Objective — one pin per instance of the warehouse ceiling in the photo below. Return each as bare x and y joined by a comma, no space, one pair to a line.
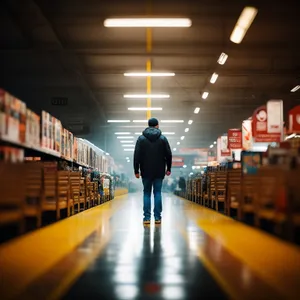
61,50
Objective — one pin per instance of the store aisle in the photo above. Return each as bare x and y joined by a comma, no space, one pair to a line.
152,262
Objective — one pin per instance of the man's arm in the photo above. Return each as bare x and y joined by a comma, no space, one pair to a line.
168,155
136,159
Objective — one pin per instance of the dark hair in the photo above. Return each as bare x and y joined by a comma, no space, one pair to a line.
152,122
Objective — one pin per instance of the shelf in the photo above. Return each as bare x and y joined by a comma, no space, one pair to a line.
41,150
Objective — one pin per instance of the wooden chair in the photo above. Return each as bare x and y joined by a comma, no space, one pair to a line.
82,196
212,189
221,187
12,196
34,191
63,194
75,189
87,193
250,186
234,190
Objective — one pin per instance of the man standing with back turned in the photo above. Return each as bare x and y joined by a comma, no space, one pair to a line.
153,157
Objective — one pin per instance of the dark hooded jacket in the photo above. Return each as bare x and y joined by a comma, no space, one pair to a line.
152,155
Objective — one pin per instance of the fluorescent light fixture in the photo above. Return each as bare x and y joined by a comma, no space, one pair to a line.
131,150
127,158
169,133
197,109
118,121
182,138
147,22
222,59
172,121
122,133
186,130
127,145
205,95
296,88
178,143
145,96
107,153
184,166
140,121
144,108
127,142
211,146
124,137
148,74
243,24
215,142
214,78
138,133
190,122
174,149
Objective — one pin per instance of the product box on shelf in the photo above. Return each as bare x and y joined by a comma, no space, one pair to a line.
44,124
50,132
11,154
36,132
2,112
70,152
62,149
22,122
75,148
58,135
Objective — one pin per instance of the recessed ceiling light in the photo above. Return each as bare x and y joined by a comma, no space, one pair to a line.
186,130
122,133
140,121
205,95
184,166
190,122
215,143
214,78
127,157
178,143
211,146
296,88
197,109
172,121
243,24
107,153
222,59
145,96
182,138
147,22
148,74
124,137
118,121
144,108
174,149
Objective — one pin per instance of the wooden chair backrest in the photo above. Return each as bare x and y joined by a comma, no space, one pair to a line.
34,182
63,185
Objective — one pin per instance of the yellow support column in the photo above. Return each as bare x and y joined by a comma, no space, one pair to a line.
148,69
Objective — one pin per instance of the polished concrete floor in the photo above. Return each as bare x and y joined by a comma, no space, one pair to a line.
148,262
106,253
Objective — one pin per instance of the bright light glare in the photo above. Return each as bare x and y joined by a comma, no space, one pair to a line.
178,143
118,121
174,149
211,146
131,150
148,22
144,108
214,78
190,122
148,74
186,130
197,109
182,138
215,142
107,153
126,142
184,166
222,59
122,133
296,88
124,137
145,96
243,24
169,133
172,121
205,95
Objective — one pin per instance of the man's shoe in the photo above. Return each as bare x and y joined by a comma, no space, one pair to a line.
146,222
158,221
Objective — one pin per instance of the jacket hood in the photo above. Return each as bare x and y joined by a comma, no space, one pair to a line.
152,133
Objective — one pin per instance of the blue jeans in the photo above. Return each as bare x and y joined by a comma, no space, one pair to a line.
157,184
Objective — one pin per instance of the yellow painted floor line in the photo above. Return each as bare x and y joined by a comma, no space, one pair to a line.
29,257
275,261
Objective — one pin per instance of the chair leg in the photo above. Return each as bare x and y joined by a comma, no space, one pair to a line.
57,214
